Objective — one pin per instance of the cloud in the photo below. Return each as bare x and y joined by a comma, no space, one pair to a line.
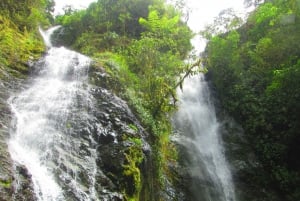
77,4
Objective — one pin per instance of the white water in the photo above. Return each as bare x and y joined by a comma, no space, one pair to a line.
41,138
200,134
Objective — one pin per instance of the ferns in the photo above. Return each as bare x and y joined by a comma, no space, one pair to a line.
17,47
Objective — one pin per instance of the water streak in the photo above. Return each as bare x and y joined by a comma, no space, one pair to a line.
42,138
197,122
47,35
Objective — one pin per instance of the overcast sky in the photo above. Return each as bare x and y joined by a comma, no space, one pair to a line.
202,12
78,4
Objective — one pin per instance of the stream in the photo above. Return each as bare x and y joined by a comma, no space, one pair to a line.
199,134
57,136
42,138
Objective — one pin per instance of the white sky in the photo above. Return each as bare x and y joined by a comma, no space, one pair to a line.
202,11
78,4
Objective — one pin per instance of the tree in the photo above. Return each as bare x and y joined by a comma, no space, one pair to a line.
255,70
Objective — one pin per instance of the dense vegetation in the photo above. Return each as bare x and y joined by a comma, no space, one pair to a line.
19,44
19,41
256,72
142,44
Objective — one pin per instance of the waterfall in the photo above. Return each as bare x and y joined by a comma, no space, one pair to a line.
200,136
43,137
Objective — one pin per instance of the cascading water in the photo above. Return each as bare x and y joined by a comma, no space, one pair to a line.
199,134
43,137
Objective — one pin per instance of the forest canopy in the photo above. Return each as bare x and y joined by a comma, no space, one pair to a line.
256,71
19,36
147,37
142,44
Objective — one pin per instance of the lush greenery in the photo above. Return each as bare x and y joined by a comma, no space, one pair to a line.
134,157
20,44
19,41
256,71
142,44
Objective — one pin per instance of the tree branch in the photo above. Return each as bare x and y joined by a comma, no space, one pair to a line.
189,71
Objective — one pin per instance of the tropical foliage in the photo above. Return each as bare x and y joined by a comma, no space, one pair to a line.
255,70
19,41
142,44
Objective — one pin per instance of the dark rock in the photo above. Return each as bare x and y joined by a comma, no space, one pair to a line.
111,160
24,190
111,130
99,131
106,138
9,176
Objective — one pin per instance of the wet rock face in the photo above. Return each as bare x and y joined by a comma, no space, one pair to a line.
6,173
24,190
101,139
100,134
246,169
114,129
15,182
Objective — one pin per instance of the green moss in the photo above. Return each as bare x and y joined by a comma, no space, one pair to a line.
6,183
134,157
68,125
133,127
17,47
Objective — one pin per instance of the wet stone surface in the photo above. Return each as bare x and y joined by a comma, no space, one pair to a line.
15,182
88,153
